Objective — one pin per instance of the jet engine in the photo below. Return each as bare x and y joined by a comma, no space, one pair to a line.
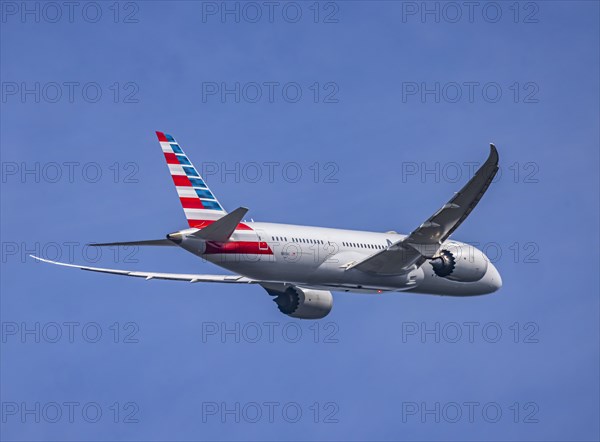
468,268
304,303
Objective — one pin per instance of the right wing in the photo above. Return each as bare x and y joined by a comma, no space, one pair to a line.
440,226
424,242
235,279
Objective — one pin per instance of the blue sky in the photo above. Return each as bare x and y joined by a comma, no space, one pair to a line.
364,130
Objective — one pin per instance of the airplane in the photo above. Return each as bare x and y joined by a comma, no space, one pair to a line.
299,266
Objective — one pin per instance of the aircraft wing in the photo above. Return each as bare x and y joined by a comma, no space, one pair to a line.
236,279
425,241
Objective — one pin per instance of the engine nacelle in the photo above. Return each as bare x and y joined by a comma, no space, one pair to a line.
465,264
304,303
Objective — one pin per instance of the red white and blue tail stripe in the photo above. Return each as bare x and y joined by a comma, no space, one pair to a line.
200,205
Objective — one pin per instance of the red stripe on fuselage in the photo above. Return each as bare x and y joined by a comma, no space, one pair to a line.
202,223
238,247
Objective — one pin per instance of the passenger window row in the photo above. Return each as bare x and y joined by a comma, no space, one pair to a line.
363,246
298,240
308,241
319,241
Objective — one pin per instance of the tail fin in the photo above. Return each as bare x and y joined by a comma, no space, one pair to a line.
199,203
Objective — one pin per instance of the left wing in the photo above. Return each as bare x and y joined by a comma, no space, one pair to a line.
236,279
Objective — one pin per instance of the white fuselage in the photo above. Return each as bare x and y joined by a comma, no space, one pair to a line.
317,257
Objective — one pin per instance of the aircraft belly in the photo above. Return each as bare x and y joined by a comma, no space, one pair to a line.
264,267
309,272
308,264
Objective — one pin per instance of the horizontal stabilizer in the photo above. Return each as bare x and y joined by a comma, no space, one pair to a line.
148,242
223,228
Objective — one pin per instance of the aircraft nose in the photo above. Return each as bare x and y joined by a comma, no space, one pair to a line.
492,278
